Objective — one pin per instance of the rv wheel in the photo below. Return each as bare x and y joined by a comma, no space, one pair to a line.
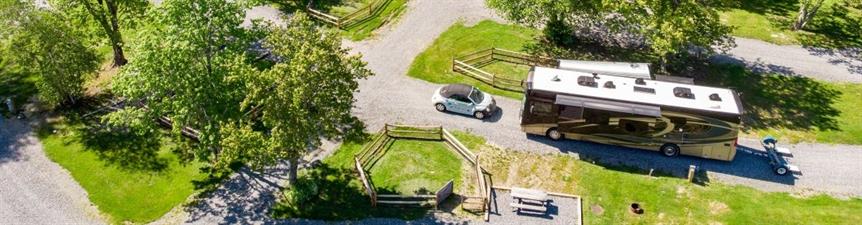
781,170
670,150
554,134
440,107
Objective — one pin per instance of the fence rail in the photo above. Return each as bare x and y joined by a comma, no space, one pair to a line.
374,150
470,64
351,19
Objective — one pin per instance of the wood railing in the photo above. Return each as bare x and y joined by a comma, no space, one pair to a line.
376,148
471,64
356,17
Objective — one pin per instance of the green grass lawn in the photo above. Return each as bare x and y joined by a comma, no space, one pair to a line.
770,20
793,109
364,28
435,63
607,192
135,184
849,121
409,167
416,167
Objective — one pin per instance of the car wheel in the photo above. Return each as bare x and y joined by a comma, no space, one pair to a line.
479,115
554,134
781,170
669,150
440,107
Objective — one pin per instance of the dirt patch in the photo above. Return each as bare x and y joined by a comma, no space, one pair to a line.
716,208
597,209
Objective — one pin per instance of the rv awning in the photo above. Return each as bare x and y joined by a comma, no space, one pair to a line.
645,110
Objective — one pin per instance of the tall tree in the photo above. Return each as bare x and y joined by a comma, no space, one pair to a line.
807,10
47,45
663,27
306,96
201,69
108,14
190,65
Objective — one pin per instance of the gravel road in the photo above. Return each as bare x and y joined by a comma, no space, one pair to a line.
822,64
34,189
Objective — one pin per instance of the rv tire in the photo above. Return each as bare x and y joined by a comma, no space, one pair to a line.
781,170
554,134
669,150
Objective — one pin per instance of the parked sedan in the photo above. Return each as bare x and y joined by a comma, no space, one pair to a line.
464,99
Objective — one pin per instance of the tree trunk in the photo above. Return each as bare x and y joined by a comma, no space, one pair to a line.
116,38
292,171
807,10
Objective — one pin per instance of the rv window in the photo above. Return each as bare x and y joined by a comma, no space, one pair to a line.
572,112
541,108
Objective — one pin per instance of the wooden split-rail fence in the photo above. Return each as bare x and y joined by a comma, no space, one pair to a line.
471,64
374,150
356,17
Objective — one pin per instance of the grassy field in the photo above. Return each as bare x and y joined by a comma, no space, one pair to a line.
794,109
770,20
129,180
366,27
607,192
415,167
409,167
435,63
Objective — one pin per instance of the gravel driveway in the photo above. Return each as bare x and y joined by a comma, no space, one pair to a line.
34,189
822,64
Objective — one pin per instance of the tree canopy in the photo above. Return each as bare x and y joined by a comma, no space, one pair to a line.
664,27
46,45
201,69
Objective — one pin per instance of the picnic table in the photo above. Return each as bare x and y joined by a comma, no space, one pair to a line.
529,199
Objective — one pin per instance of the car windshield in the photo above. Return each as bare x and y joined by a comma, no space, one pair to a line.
476,96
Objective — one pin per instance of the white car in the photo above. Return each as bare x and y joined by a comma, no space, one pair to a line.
464,99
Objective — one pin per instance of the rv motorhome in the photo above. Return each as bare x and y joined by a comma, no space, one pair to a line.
672,118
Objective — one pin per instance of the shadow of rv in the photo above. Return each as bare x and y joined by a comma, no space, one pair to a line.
746,164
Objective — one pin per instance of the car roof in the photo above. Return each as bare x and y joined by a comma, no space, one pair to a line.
453,89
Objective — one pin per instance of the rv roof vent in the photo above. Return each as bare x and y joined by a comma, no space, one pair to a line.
683,92
587,81
644,90
714,97
640,81
555,79
610,84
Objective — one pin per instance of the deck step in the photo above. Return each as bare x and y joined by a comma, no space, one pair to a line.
417,203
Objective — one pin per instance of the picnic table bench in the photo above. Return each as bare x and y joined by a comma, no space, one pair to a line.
529,199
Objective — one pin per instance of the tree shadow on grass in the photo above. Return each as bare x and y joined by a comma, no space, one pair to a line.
336,194
774,99
116,146
837,27
775,7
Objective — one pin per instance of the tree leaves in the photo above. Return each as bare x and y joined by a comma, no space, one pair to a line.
665,27
45,44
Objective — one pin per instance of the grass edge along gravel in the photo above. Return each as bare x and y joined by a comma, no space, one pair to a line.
124,195
608,190
434,64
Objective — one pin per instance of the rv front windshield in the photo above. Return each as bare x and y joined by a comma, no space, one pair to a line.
476,96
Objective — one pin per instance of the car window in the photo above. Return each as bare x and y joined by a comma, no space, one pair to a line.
460,98
476,95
